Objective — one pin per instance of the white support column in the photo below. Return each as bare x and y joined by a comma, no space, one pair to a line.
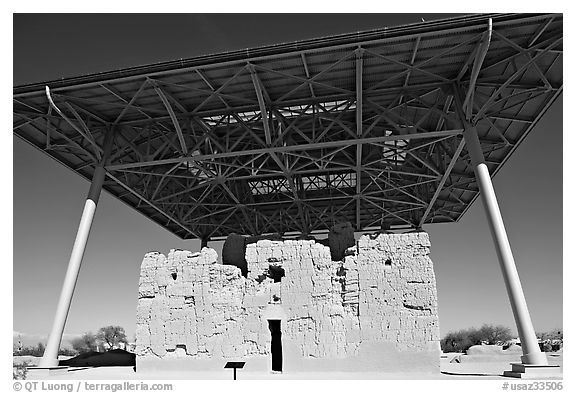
530,349
50,358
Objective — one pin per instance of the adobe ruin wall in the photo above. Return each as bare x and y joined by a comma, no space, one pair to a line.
375,310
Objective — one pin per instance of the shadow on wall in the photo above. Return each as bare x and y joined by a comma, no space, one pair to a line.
340,238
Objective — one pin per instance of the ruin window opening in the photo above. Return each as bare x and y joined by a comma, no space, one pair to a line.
276,272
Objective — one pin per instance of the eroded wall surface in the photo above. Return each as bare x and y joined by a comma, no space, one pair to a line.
374,310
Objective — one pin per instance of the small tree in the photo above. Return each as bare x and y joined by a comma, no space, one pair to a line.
494,334
85,343
551,340
111,336
67,352
18,347
39,350
456,341
554,334
463,339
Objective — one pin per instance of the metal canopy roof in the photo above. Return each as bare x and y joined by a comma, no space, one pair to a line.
363,127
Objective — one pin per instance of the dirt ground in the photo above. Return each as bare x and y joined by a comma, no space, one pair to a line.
467,368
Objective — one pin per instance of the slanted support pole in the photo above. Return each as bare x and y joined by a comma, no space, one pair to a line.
530,349
50,358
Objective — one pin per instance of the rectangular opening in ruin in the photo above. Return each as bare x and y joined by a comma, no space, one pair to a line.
275,272
276,344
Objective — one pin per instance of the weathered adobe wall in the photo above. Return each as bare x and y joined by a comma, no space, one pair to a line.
375,310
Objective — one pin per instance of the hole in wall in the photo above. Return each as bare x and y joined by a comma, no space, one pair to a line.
261,278
276,272
341,274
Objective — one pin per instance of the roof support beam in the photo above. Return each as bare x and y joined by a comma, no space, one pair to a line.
129,103
392,186
48,127
542,46
388,212
307,71
268,176
480,55
218,90
316,100
408,67
467,63
200,201
263,112
223,221
128,144
359,68
293,189
166,103
526,53
162,178
274,203
412,59
72,144
97,149
422,63
442,182
27,120
82,123
33,107
164,87
425,162
540,31
309,81
512,78
288,148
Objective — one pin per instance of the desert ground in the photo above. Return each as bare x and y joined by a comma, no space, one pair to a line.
452,367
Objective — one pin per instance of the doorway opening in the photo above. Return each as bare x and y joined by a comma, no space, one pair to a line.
276,345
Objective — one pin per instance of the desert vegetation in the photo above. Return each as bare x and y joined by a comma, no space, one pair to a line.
106,338
461,340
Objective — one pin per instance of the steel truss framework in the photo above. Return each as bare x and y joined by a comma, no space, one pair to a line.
365,128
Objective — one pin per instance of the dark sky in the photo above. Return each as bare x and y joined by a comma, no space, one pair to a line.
48,199
78,44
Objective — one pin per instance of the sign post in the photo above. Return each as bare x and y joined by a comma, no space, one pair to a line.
235,365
